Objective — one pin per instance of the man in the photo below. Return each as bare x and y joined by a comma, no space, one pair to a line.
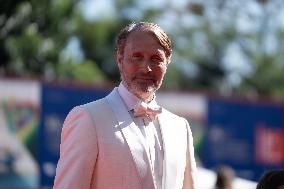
125,140
225,177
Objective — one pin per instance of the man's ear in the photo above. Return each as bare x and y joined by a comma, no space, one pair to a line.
119,58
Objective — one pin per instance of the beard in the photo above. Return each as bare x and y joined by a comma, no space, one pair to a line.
144,87
141,88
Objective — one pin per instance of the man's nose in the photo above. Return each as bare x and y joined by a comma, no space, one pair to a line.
146,66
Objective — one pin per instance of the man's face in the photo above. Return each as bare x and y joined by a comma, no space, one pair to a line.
143,64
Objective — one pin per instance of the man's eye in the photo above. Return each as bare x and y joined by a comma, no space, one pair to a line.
157,59
137,56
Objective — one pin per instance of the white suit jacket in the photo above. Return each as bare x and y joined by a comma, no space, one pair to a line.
102,148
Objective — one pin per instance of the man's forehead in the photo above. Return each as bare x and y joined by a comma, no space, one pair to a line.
140,37
160,51
133,49
144,41
144,33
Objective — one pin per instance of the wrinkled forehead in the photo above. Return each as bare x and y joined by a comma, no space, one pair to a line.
143,41
142,35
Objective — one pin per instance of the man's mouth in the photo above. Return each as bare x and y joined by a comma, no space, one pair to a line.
145,79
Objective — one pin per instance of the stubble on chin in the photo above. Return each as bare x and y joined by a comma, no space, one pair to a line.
144,91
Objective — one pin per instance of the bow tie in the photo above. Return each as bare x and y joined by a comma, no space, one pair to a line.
143,109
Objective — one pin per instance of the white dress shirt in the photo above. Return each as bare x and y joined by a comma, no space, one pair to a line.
151,132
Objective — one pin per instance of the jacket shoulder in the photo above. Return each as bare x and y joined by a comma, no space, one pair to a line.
171,114
93,104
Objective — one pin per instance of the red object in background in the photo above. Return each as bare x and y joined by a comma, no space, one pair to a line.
269,145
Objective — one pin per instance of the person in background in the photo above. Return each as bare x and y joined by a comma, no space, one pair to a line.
225,178
273,179
126,140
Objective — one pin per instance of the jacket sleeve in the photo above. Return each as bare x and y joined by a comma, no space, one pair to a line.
189,181
78,151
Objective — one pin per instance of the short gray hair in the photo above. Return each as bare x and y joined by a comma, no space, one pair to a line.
153,28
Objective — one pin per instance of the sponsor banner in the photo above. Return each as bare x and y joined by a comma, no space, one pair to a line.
245,135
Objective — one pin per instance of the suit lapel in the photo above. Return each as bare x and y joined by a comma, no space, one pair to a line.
132,134
170,159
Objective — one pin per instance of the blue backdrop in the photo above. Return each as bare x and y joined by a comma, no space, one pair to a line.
237,135
56,102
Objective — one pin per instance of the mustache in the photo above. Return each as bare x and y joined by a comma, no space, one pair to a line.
142,75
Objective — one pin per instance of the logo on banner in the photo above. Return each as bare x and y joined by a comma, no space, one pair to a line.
269,142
